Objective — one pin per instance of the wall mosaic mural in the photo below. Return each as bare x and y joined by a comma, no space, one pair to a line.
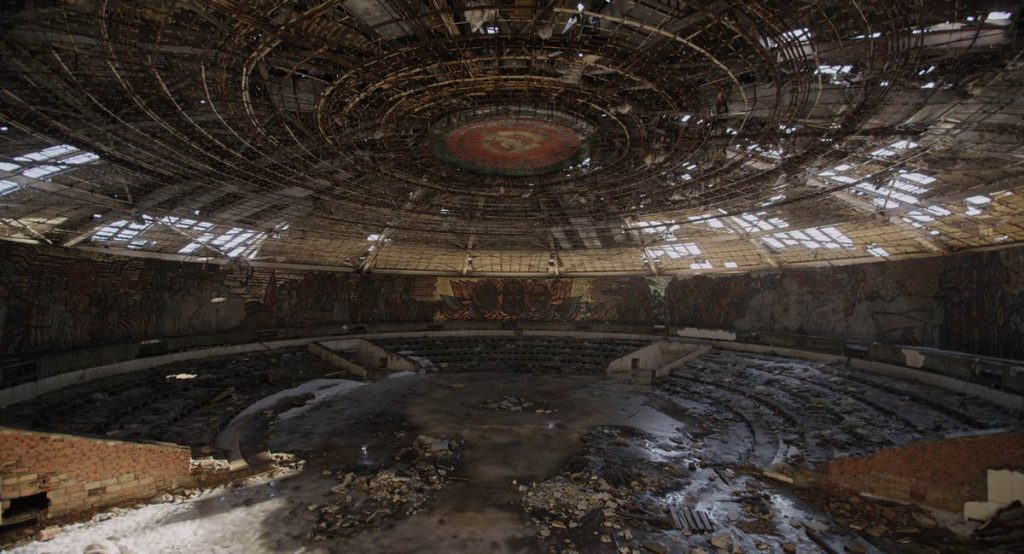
511,299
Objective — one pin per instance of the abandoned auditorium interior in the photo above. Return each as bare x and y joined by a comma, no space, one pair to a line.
512,276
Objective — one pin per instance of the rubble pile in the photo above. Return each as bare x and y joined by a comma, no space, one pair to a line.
288,462
514,404
879,521
362,501
1005,528
602,497
210,465
561,498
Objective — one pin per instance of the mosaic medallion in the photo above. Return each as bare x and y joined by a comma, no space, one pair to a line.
512,146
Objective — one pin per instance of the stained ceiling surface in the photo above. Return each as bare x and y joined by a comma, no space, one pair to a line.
543,138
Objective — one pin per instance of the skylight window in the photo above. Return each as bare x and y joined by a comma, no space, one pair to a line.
885,196
894,149
811,238
798,36
80,159
917,177
918,218
802,36
186,224
41,171
234,237
730,264
773,153
701,265
139,244
190,248
906,187
59,157
706,219
877,251
833,72
7,187
752,223
974,204
123,230
664,228
834,173
47,153
675,251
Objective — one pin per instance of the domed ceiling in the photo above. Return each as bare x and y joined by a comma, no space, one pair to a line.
446,136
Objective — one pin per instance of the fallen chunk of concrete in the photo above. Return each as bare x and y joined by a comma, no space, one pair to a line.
47,533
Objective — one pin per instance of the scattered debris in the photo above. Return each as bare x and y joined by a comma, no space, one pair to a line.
209,465
287,462
362,501
690,520
1005,528
48,532
513,404
609,492
722,541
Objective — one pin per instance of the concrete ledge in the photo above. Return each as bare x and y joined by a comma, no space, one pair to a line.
337,361
1006,400
370,355
706,334
696,354
779,351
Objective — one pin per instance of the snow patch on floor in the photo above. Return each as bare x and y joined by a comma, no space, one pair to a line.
210,522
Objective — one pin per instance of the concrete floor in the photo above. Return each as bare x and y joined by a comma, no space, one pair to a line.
697,440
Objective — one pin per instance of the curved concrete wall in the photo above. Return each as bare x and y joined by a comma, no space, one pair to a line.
54,299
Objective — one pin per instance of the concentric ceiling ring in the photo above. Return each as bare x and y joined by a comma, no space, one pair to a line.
638,109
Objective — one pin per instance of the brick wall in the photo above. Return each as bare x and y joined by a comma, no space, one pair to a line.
81,473
941,474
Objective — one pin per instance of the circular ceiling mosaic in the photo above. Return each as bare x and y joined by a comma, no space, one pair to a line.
512,147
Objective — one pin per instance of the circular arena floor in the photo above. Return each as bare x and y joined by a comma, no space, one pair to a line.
521,462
